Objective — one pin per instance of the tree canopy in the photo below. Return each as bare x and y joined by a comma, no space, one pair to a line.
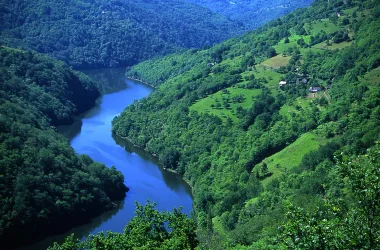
45,188
104,33
252,13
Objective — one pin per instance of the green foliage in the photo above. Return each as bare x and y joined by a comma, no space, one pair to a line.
156,71
104,33
47,84
335,226
45,187
276,62
320,230
252,14
362,176
236,97
236,163
221,149
149,229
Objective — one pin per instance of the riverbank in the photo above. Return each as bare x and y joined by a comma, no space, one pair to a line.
135,145
156,156
91,135
141,81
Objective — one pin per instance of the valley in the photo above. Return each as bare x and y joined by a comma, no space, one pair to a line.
270,113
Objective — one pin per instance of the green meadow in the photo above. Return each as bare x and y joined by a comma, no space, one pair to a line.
211,103
291,156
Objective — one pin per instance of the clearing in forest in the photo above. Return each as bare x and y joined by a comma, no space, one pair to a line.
276,62
291,156
224,103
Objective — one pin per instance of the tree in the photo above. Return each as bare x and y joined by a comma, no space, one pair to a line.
330,226
345,21
170,158
334,18
264,168
301,42
271,52
149,229
318,230
363,176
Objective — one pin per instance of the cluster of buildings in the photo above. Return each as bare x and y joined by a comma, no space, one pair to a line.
302,79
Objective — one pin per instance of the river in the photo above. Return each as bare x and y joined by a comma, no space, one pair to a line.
91,135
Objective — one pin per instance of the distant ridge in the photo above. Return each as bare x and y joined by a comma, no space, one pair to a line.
103,33
252,13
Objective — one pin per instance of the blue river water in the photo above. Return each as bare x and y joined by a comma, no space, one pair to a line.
91,135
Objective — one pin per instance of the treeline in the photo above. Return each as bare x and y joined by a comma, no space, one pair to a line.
252,14
244,196
45,188
89,34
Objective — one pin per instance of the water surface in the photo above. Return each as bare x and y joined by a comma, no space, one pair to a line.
92,135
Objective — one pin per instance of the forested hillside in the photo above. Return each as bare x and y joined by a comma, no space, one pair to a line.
103,33
45,188
275,130
252,13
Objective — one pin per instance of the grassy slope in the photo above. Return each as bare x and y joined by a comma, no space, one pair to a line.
290,156
272,77
334,46
267,68
276,62
322,25
204,105
158,70
189,61
372,78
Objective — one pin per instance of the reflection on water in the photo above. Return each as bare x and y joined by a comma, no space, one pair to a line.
70,131
91,135
173,181
108,80
130,148
80,232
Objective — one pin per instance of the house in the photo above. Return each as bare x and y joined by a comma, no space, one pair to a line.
315,89
282,83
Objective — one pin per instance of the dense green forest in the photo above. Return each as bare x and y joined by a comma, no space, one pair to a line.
45,188
276,130
103,33
252,13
